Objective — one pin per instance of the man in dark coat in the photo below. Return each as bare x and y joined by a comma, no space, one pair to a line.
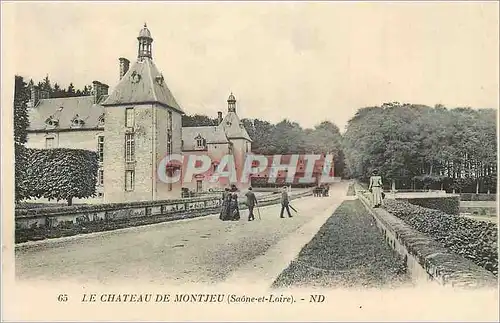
284,203
251,202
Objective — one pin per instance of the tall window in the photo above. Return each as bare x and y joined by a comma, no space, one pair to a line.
49,143
129,180
169,143
199,142
170,120
169,133
100,177
100,148
129,147
129,117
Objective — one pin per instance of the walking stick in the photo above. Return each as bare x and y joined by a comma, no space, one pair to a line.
290,205
258,211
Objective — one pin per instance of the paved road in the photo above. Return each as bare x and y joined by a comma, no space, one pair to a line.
203,250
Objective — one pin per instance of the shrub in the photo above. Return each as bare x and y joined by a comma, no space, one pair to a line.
477,197
61,174
449,205
472,239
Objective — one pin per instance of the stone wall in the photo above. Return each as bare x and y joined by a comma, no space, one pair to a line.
427,260
53,222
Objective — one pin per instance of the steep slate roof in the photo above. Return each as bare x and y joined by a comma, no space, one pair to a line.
150,87
83,106
212,134
232,127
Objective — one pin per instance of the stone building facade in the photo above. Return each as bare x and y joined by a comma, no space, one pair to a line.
229,137
132,128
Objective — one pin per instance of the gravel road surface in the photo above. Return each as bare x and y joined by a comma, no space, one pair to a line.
202,250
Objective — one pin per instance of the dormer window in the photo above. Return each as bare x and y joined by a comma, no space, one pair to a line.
135,77
101,119
200,142
160,80
77,122
52,122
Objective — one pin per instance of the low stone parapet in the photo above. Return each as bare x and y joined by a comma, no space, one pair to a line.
427,260
53,222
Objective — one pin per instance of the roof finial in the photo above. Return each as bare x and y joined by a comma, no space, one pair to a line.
231,103
145,41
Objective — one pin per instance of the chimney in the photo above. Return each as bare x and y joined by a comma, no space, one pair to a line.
124,65
35,95
100,89
219,116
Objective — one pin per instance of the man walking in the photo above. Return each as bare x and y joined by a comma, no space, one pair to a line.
284,203
251,202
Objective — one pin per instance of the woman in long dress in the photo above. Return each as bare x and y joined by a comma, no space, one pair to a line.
224,205
235,209
226,210
376,189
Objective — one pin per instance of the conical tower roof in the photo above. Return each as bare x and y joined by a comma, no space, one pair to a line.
143,83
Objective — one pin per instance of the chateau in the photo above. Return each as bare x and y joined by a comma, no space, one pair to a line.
132,129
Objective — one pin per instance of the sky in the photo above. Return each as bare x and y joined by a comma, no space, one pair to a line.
304,61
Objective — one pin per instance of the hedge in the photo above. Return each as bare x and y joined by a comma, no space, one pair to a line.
472,239
449,205
61,174
477,197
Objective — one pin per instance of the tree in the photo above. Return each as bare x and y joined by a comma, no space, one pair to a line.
423,146
288,138
21,120
198,120
21,124
61,174
46,85
71,90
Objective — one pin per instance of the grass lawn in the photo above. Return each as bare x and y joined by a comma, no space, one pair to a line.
348,251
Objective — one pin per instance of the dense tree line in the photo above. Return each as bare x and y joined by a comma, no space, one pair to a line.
423,147
56,91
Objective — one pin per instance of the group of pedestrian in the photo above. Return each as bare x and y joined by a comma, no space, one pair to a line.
321,190
230,210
